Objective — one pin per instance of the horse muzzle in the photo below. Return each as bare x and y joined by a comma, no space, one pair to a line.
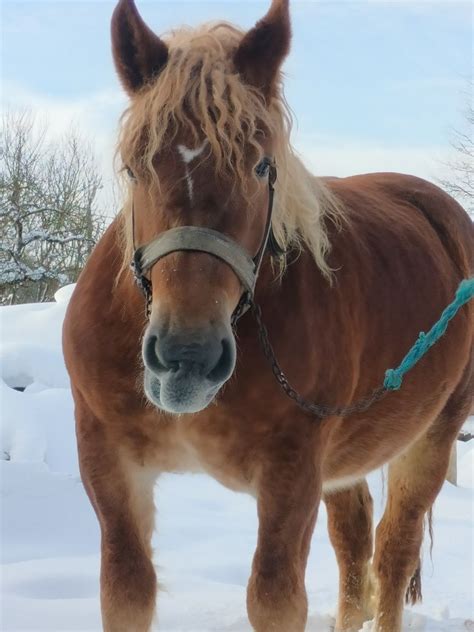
185,370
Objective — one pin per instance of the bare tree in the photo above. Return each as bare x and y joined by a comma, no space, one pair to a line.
460,184
49,220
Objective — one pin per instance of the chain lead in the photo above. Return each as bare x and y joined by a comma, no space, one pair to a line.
320,411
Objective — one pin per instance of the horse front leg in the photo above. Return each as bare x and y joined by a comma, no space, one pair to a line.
288,496
128,583
121,492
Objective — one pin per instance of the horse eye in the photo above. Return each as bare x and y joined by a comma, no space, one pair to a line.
130,174
262,168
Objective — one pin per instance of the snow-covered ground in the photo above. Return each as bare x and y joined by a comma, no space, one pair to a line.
206,534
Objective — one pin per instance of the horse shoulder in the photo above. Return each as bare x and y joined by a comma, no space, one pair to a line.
101,338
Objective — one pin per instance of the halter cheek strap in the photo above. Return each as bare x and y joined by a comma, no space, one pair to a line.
201,239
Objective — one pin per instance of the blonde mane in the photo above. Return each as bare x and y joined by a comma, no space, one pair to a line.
199,84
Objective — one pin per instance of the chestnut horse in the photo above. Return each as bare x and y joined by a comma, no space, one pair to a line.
370,261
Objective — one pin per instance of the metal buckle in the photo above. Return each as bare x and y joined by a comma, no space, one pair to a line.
244,304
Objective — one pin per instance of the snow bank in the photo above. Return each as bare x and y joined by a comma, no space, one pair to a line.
206,534
38,423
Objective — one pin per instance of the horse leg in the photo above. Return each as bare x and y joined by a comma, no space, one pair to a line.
350,531
122,495
288,498
128,580
415,478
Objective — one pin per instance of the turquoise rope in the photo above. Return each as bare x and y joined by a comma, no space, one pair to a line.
394,377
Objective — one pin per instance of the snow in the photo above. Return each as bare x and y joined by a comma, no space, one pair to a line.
17,271
205,534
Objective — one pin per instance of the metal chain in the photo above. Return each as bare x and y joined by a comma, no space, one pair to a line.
148,298
144,285
319,410
244,304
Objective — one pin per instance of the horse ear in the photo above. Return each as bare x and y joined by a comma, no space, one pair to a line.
138,53
263,49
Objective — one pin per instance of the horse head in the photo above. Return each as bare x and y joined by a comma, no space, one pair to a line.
197,143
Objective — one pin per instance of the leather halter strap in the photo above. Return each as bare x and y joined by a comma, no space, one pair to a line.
201,239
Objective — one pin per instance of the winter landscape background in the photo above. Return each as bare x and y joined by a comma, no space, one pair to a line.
205,534
375,86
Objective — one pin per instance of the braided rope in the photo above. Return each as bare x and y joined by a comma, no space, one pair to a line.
394,377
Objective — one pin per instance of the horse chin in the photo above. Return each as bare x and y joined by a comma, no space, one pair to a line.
179,396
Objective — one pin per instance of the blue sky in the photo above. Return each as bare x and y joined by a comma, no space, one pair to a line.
373,85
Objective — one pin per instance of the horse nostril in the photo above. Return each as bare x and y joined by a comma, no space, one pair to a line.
224,366
150,355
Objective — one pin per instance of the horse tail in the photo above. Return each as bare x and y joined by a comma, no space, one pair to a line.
413,594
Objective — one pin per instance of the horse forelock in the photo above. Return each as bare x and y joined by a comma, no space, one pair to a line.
200,92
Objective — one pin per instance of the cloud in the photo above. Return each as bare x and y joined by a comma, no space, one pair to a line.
93,117
96,114
345,157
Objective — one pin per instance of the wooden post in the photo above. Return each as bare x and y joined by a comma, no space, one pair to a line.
452,475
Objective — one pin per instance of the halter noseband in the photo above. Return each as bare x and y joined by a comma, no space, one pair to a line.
201,239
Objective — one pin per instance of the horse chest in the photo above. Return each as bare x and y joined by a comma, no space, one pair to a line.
195,446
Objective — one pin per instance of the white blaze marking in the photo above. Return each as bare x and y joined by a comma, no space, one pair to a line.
188,155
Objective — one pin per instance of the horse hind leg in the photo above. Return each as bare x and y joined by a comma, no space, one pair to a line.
414,481
351,533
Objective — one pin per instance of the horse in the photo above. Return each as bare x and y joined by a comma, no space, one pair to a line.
346,272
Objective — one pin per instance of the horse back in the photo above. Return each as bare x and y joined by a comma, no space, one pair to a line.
380,198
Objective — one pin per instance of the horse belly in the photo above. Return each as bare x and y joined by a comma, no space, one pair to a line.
375,441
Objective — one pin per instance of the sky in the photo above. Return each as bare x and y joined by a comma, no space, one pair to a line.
373,85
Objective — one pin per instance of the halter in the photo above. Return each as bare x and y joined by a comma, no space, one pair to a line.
213,242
